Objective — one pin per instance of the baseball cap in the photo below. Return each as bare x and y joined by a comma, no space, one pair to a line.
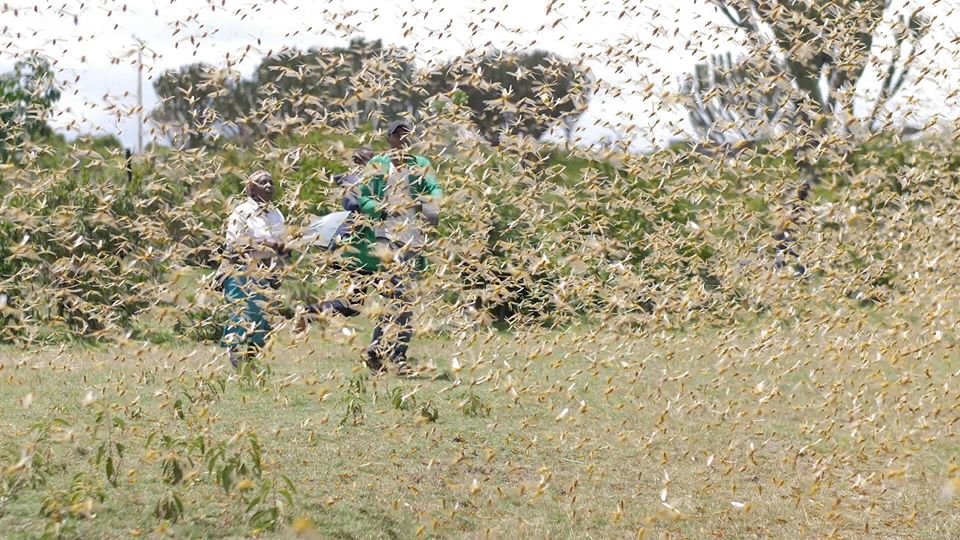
362,156
398,125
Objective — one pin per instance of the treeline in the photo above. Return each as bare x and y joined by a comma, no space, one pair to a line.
366,83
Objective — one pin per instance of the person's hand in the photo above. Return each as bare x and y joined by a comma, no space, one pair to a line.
279,248
430,212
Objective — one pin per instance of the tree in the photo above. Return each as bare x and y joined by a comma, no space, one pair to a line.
199,102
342,87
365,82
516,93
727,98
825,48
27,94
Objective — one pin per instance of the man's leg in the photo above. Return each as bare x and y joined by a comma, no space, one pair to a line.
256,315
401,318
247,330
394,330
785,250
346,306
339,306
238,329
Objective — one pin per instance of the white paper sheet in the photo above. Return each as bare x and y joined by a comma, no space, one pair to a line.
322,230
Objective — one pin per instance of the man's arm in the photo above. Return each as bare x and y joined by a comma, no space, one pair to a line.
236,241
367,204
428,184
351,203
432,186
368,198
234,232
278,234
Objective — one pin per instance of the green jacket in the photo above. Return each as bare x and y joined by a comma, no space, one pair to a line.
370,200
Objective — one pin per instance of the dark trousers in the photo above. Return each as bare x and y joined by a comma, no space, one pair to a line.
785,250
394,330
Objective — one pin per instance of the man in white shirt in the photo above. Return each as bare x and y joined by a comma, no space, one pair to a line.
256,234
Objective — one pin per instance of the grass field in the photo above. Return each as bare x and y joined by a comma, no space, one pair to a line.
767,432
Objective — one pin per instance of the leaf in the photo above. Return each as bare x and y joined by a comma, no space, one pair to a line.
108,467
226,478
265,519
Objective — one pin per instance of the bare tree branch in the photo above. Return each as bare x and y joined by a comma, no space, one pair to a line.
740,16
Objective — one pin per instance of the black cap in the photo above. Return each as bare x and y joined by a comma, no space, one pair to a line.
397,125
362,156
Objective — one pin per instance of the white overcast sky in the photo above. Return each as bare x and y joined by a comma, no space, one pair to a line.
636,48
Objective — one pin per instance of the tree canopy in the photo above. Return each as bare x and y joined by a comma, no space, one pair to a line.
825,51
517,93
27,94
366,83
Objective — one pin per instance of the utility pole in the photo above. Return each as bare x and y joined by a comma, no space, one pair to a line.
139,95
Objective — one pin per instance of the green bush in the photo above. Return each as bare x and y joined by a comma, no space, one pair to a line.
88,250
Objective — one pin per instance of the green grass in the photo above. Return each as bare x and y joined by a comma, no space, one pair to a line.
762,433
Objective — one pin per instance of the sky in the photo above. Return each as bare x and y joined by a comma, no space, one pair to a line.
637,49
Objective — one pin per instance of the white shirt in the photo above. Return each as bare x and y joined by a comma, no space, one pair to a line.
252,225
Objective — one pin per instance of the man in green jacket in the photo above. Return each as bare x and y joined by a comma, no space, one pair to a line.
399,189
